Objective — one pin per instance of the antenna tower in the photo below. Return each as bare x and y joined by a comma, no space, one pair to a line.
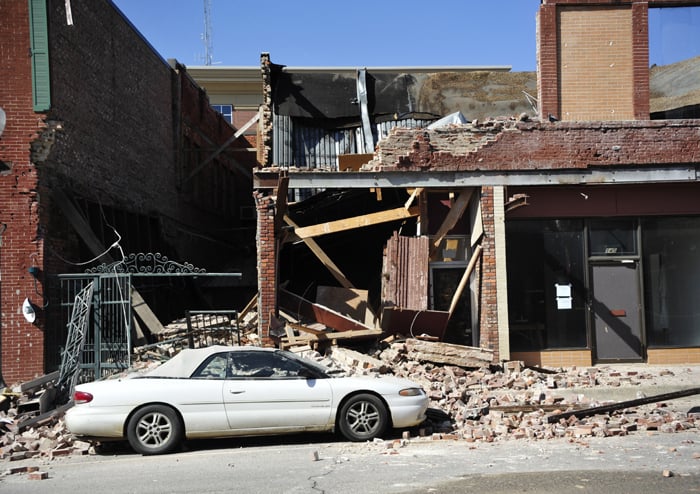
208,44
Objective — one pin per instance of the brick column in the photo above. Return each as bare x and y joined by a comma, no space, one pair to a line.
640,62
267,262
488,298
547,61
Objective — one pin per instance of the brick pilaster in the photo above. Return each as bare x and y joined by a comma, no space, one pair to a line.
267,262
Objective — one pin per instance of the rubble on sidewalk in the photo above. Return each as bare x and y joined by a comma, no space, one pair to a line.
475,401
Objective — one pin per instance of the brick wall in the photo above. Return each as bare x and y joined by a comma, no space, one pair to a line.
593,59
108,138
541,146
21,240
114,96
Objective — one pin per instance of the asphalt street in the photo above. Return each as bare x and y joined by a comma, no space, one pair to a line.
639,463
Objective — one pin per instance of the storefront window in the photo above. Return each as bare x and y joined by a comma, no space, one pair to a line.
613,237
671,249
546,291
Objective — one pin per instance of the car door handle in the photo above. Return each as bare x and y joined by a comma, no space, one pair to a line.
236,391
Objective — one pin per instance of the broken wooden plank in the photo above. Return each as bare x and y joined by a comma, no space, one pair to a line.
456,212
347,335
306,329
248,307
57,412
323,257
145,313
356,222
38,382
448,353
623,404
416,192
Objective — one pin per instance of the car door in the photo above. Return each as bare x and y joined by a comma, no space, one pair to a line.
267,391
199,397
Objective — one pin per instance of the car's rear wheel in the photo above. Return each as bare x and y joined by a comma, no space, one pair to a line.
154,430
363,417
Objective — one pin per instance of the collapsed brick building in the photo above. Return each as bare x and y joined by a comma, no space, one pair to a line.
567,237
102,156
562,233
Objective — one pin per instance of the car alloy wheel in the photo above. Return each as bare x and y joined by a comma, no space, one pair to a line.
363,417
154,429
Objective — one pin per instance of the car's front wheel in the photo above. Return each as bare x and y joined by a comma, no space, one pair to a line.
154,430
363,417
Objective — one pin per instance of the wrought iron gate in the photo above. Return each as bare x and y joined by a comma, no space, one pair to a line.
106,348
107,343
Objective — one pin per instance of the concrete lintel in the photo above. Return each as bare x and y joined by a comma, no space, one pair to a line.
360,180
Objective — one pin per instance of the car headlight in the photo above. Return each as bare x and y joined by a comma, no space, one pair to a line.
412,392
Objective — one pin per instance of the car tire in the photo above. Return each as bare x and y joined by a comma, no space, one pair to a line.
363,417
154,430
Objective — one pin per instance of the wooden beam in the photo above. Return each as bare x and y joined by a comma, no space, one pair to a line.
248,307
416,192
456,212
356,222
465,278
322,256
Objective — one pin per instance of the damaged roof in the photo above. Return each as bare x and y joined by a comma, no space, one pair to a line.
394,94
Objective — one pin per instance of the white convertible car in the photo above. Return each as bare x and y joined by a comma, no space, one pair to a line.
237,391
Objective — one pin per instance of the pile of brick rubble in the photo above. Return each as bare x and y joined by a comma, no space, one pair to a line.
473,404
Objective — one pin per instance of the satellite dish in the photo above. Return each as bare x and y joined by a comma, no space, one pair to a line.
3,120
28,311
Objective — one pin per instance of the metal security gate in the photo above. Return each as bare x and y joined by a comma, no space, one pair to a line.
107,346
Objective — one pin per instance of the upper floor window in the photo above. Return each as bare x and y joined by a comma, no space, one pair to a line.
226,111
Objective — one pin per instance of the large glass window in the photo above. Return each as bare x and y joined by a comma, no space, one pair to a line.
671,249
546,291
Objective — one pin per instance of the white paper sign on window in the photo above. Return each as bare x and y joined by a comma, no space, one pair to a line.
563,296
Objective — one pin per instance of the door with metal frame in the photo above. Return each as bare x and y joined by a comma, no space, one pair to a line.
616,310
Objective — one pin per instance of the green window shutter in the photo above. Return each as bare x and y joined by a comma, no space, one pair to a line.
39,34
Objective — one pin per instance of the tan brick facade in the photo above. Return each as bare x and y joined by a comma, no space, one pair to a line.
595,72
593,60
564,358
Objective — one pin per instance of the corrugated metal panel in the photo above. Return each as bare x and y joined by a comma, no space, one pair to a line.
301,146
405,272
383,128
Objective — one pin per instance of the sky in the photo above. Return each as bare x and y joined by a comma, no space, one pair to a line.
372,33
